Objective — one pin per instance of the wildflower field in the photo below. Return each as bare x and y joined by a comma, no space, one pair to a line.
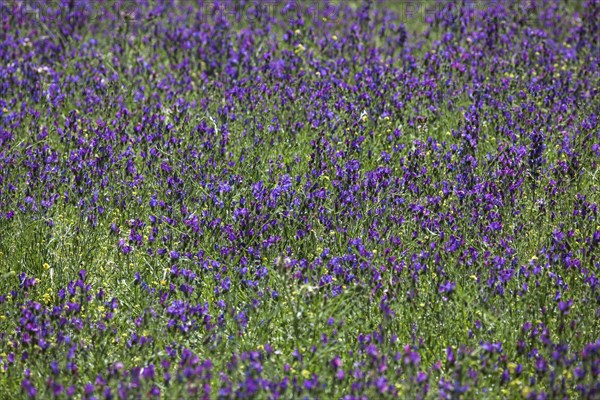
270,200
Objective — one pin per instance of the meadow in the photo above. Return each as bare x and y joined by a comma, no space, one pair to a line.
252,200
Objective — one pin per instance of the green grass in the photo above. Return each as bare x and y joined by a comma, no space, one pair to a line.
53,245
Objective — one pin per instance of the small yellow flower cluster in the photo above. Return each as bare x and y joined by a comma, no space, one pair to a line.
47,297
